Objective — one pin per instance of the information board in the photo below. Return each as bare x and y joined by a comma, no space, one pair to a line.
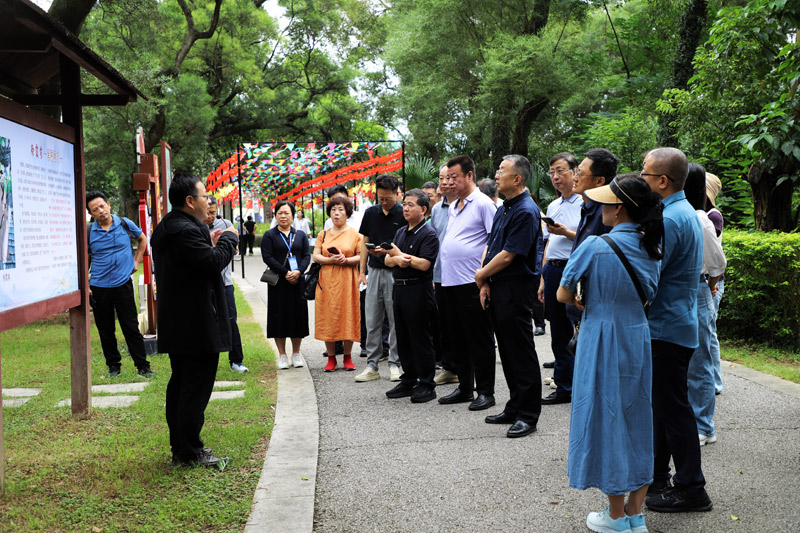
38,253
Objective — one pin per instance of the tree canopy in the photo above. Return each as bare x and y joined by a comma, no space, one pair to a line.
716,78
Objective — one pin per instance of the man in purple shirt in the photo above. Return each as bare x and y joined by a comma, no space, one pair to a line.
468,227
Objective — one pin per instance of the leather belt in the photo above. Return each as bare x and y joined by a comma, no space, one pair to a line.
557,263
411,281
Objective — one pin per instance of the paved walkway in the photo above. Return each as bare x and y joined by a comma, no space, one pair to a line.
389,465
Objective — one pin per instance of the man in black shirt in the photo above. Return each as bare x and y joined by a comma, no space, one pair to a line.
379,225
250,234
411,257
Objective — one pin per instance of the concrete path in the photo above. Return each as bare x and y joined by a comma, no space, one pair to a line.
389,465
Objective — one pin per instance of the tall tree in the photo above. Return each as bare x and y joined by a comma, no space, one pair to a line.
691,30
741,111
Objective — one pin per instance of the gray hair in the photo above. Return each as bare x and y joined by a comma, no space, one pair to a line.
522,165
212,200
488,187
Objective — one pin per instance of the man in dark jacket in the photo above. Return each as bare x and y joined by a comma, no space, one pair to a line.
193,324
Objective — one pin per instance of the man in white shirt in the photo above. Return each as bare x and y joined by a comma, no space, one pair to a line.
561,223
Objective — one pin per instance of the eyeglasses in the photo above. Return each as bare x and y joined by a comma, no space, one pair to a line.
560,171
199,196
643,174
581,174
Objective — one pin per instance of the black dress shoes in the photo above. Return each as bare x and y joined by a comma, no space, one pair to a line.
401,390
538,331
549,364
556,397
456,397
520,429
501,418
482,402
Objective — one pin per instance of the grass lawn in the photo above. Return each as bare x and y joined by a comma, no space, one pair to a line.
778,362
113,472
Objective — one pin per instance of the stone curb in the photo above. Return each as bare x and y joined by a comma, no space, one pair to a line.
284,497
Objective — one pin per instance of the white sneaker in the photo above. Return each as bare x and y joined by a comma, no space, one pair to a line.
369,374
548,381
707,439
445,376
297,362
603,523
239,367
553,385
394,373
283,362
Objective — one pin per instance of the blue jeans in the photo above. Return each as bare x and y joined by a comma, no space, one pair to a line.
715,341
700,376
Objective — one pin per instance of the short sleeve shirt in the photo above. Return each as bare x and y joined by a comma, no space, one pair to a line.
673,313
420,242
517,228
439,216
468,227
380,227
568,213
112,256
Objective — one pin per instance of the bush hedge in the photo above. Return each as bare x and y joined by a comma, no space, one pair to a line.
761,302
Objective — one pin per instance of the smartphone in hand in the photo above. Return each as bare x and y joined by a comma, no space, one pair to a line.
333,250
386,245
550,221
370,245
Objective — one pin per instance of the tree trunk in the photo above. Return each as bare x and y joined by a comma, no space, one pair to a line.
500,141
522,129
71,13
772,206
693,21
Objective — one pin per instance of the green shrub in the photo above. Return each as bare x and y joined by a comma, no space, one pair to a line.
762,288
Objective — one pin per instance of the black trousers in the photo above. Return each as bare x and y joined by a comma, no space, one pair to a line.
120,299
538,307
674,426
249,240
414,306
188,392
510,309
444,349
471,336
235,355
561,329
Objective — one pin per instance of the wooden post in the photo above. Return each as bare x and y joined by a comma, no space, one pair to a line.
80,349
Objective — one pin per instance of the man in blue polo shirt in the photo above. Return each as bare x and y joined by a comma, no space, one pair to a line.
508,288
673,334
110,286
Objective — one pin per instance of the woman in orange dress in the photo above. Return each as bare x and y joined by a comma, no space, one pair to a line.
337,309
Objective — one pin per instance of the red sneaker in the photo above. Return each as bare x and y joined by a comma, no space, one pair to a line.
331,366
348,362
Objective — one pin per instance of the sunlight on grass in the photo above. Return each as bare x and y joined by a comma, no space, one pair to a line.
781,363
113,471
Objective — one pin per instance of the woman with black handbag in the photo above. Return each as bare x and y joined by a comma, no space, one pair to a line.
285,251
337,311
611,424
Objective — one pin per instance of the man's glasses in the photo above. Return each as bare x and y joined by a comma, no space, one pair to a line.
559,171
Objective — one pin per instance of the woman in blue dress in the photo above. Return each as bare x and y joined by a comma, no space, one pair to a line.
611,427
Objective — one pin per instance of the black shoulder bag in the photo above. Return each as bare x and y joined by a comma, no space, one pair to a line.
311,277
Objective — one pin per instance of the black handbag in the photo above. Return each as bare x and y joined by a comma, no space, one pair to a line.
270,276
311,278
